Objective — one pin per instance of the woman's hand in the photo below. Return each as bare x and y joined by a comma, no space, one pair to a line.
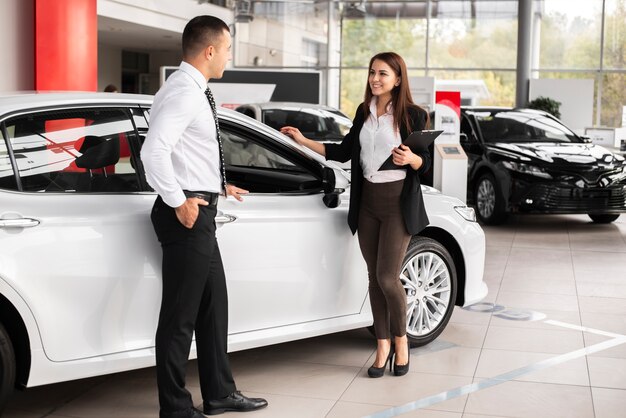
403,155
293,133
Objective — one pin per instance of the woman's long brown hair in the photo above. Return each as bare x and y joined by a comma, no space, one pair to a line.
400,95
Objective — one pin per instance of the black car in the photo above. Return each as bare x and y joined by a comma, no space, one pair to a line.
523,160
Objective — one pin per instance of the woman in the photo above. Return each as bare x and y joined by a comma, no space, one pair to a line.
385,206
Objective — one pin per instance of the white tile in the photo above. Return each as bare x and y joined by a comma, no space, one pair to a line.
456,361
464,335
532,400
604,322
528,318
533,340
609,403
596,304
496,362
607,372
539,285
553,240
602,261
618,351
393,391
540,258
537,301
604,290
295,378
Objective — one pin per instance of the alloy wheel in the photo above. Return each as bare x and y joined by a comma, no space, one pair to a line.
426,281
486,199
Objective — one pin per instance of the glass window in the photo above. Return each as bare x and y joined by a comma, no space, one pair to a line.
615,34
613,99
473,34
74,150
242,152
570,33
362,38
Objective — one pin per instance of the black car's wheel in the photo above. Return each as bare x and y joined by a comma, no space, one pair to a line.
489,202
7,368
428,276
603,218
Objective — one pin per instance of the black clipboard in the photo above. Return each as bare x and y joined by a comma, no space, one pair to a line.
418,141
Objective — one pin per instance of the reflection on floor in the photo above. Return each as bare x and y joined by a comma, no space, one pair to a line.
557,284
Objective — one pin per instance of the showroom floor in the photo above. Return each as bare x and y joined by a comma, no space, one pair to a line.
557,285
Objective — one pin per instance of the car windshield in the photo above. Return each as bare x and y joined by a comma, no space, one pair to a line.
317,124
512,127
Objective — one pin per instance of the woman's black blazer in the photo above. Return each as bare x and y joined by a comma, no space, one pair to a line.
411,200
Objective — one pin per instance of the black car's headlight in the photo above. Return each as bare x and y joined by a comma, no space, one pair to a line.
526,169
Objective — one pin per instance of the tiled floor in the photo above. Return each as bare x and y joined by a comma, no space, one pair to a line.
538,268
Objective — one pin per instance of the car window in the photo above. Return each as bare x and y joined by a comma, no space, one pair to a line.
254,164
512,127
316,124
242,152
74,150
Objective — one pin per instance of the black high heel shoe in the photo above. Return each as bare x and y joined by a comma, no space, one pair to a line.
380,371
401,370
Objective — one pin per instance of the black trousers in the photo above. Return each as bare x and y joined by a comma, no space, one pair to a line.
384,240
194,299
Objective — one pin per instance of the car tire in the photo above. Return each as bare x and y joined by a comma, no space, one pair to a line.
603,218
428,276
7,368
489,201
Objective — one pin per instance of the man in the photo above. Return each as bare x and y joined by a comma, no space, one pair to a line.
182,156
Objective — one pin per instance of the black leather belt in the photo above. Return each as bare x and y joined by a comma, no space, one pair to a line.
210,197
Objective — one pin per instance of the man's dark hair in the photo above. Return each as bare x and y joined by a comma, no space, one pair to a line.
200,32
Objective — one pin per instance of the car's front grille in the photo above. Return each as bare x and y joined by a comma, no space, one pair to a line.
559,198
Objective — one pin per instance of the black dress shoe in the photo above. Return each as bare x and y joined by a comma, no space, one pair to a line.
195,413
234,402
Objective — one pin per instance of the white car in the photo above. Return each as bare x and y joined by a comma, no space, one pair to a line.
79,262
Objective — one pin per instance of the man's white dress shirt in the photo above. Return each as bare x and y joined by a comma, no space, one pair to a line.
378,137
181,150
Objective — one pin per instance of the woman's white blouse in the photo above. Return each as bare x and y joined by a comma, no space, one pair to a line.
378,137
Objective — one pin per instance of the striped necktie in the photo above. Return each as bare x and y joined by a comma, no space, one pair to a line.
211,100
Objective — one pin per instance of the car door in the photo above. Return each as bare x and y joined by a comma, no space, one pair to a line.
289,259
75,235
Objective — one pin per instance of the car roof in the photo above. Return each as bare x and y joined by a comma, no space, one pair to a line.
22,100
299,105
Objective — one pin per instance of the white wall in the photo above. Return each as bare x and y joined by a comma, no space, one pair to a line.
109,66
17,43
575,95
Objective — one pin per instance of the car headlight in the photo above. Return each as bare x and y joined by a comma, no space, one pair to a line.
526,169
466,213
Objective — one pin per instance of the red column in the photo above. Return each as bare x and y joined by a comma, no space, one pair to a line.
66,45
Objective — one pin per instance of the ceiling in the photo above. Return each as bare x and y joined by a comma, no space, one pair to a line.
130,35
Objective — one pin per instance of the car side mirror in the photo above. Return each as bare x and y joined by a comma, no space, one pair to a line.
586,139
331,194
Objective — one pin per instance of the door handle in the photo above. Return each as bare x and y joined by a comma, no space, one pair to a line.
19,223
225,218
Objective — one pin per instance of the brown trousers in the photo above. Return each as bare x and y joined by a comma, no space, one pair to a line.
384,240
